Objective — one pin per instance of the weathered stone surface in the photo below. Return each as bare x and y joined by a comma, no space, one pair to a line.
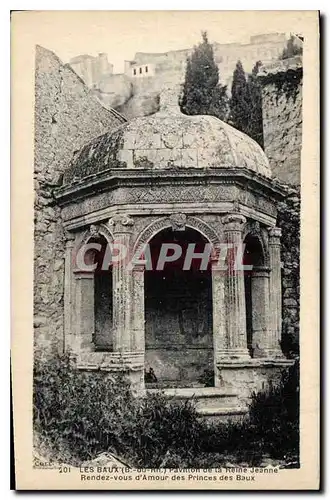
282,118
289,221
66,117
169,139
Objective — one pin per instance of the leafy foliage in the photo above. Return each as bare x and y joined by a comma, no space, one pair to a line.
202,92
80,414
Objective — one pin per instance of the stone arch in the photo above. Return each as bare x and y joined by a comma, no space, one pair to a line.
93,231
94,286
192,222
253,229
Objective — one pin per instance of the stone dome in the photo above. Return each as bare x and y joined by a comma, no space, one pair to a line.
169,139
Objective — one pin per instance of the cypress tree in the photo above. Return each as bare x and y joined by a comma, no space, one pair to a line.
202,92
240,99
255,126
246,103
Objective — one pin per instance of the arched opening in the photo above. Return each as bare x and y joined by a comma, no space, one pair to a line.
254,293
178,313
102,304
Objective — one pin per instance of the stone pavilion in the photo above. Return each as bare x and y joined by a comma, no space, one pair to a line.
170,178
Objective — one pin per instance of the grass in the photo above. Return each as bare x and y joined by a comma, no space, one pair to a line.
78,415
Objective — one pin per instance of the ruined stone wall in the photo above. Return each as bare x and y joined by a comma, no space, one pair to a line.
66,117
282,122
289,222
282,117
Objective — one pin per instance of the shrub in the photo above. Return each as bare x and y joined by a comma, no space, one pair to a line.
81,410
85,413
274,416
164,428
80,414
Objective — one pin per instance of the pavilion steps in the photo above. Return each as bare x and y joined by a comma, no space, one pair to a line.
211,402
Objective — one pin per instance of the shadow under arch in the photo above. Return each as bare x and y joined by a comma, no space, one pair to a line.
178,312
256,285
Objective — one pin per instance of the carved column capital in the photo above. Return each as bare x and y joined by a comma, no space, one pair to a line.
233,222
69,239
121,223
274,235
178,221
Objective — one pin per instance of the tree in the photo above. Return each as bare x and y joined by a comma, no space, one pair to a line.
240,99
202,92
246,103
293,47
255,125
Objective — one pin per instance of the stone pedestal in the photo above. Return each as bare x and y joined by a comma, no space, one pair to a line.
275,292
236,342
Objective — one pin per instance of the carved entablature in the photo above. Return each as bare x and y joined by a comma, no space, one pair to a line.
258,202
236,207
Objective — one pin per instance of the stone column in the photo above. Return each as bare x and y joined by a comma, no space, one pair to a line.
236,340
219,316
275,292
84,311
138,319
68,290
261,342
122,283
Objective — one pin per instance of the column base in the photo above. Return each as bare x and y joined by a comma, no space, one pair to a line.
269,353
237,354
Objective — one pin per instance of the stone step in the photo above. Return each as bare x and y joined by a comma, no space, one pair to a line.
172,384
204,397
222,414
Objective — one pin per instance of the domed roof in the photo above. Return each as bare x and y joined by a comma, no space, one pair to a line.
169,139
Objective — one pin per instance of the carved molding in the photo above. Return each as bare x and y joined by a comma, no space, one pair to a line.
193,222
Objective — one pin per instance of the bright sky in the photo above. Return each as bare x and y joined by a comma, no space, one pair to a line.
121,34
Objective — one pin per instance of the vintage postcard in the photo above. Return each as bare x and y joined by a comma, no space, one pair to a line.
165,260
